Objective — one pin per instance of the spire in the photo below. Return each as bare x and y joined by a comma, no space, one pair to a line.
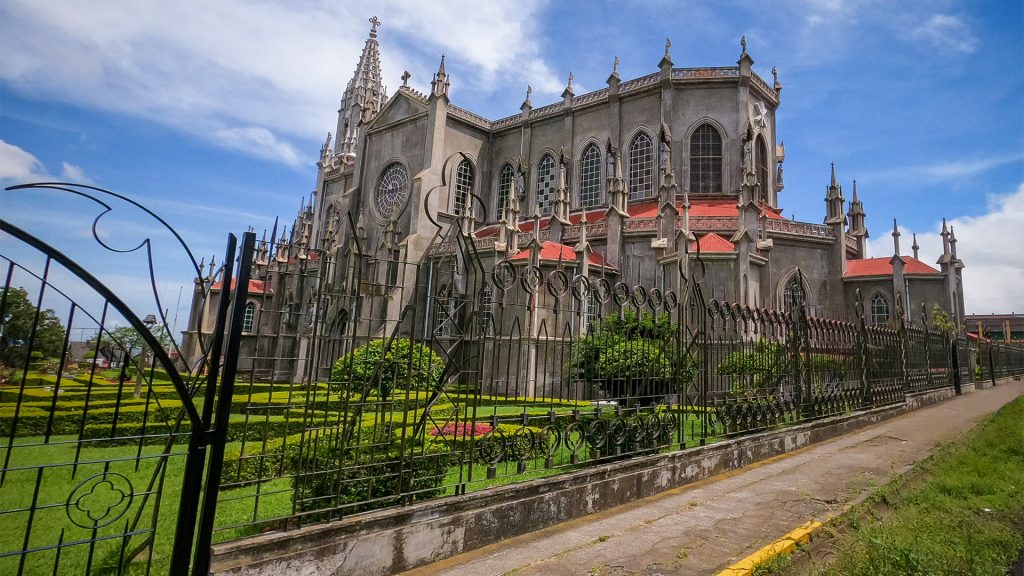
834,199
915,247
856,199
895,238
952,242
945,238
745,60
439,85
527,104
364,95
666,60
568,93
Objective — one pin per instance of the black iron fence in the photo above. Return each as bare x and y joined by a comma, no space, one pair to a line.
379,382
313,384
111,447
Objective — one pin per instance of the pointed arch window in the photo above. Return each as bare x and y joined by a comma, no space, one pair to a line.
590,176
762,169
505,183
641,167
879,310
706,160
463,187
793,296
249,319
546,174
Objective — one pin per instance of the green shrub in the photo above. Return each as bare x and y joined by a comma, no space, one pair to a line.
763,367
404,365
330,476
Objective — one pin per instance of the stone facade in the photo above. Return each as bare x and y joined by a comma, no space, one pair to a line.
626,182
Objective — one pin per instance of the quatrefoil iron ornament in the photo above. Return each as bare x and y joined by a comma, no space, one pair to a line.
99,500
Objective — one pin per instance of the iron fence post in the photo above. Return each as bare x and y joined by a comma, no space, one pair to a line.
192,481
218,437
955,366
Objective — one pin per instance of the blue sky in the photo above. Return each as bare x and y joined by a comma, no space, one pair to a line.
213,114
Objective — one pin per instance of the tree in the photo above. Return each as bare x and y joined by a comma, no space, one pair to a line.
19,315
404,365
114,344
941,321
624,356
762,367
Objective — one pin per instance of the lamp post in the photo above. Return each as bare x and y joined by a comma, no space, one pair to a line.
149,321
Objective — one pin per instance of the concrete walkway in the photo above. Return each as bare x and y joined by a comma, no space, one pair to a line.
704,527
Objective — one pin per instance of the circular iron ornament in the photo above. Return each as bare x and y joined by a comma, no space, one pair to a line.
603,290
392,190
491,447
655,299
580,287
638,296
668,426
504,275
620,293
558,283
597,433
671,301
618,431
521,444
652,424
714,308
573,437
551,440
637,428
99,500
531,279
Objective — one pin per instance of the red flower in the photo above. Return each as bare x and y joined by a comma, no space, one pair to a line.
462,429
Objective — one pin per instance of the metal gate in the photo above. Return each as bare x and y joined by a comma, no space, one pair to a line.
105,440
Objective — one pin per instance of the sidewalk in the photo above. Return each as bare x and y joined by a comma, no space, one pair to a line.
706,526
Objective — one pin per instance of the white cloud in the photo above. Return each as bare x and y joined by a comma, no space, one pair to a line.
17,165
943,171
259,142
948,32
74,173
990,246
255,76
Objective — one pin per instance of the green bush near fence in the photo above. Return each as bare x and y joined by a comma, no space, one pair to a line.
383,365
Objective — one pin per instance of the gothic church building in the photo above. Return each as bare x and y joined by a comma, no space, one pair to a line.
622,182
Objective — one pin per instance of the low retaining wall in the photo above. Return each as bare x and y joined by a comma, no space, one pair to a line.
396,539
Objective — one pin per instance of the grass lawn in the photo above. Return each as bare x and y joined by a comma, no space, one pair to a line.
42,468
960,512
35,464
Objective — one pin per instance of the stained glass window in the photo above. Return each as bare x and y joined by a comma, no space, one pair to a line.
392,190
546,174
641,167
590,177
706,161
505,183
463,186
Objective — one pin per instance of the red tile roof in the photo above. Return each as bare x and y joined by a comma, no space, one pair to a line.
883,267
725,207
712,242
553,251
255,286
698,208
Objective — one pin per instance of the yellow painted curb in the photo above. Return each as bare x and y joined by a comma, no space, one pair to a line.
783,545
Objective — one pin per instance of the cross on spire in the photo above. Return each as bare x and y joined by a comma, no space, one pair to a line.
374,22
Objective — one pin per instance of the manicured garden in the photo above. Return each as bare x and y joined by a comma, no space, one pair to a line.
284,456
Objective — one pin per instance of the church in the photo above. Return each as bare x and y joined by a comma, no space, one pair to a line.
623,183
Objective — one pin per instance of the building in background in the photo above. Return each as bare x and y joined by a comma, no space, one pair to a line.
624,183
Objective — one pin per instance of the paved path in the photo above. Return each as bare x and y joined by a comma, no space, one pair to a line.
704,527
